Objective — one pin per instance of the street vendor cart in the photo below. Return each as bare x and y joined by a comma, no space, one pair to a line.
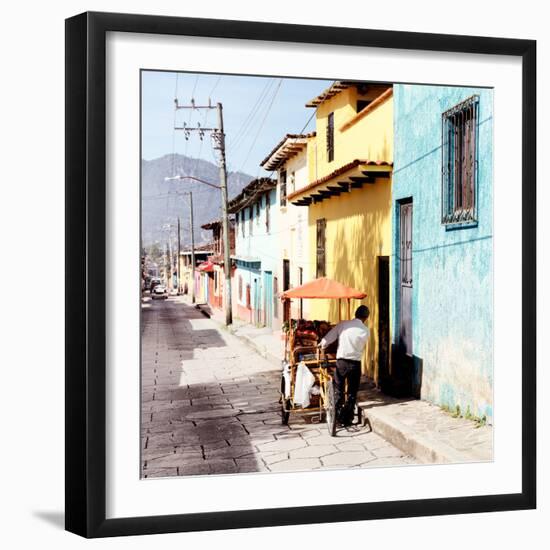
307,377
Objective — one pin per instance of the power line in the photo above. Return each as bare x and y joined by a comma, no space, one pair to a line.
236,142
215,86
262,123
294,140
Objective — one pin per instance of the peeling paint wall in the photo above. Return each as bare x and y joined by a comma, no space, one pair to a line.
452,307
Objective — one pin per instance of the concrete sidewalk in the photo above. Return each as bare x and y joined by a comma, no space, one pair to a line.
420,429
269,344
425,431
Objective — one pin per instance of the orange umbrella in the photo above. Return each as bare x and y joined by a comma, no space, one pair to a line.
323,288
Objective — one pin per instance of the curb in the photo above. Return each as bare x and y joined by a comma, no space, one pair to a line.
425,449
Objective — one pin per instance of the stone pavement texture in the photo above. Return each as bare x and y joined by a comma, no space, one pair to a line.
418,428
210,406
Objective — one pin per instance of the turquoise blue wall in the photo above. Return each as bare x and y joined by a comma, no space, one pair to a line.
261,245
452,268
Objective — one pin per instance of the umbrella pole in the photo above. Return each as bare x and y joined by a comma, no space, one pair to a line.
349,311
339,309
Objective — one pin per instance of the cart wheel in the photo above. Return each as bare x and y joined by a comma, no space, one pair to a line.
331,409
285,405
359,415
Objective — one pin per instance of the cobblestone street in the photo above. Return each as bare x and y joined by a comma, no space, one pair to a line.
210,406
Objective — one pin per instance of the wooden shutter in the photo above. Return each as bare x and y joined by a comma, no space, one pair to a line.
283,188
267,212
330,137
321,242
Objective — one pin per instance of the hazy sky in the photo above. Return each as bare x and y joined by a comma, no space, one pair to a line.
258,112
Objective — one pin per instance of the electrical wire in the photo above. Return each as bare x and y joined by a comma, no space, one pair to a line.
237,141
262,123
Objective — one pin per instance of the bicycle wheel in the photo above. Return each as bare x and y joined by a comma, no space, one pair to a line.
331,409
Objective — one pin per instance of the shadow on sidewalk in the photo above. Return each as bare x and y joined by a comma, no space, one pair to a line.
212,428
175,320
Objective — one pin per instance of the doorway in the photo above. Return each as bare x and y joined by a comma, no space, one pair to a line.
405,278
401,377
286,286
383,318
268,299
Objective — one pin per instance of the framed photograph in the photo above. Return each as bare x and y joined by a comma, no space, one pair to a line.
291,295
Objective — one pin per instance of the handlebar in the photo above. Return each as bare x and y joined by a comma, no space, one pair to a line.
322,356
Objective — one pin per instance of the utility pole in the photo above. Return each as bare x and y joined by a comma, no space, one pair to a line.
225,220
178,258
192,248
218,137
166,264
171,263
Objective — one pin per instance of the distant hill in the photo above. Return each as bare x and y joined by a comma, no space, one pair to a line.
161,203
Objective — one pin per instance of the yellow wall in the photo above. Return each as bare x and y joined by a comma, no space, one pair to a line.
358,230
358,227
371,138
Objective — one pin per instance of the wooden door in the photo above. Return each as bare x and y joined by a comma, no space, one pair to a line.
286,286
268,298
406,279
383,317
257,303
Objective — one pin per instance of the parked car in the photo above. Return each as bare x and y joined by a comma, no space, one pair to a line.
159,291
154,282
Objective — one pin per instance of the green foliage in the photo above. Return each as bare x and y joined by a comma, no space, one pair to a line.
468,415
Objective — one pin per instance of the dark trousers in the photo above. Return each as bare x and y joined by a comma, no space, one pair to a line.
349,370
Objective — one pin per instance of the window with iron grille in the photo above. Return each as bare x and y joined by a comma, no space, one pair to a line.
330,137
250,221
321,241
283,188
242,223
459,163
267,213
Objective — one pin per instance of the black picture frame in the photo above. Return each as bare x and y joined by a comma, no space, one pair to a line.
86,279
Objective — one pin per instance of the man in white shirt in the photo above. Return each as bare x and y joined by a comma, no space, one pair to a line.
352,338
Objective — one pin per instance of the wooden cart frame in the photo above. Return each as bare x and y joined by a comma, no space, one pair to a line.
320,366
324,404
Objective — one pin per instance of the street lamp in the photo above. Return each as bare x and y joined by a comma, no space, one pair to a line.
172,178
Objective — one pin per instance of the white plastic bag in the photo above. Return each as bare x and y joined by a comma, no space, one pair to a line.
286,376
304,383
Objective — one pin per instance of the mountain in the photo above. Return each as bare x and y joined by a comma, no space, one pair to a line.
162,201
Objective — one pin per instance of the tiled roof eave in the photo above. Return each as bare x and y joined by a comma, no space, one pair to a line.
279,149
250,194
345,178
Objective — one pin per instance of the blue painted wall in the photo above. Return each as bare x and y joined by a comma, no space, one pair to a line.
452,268
262,245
